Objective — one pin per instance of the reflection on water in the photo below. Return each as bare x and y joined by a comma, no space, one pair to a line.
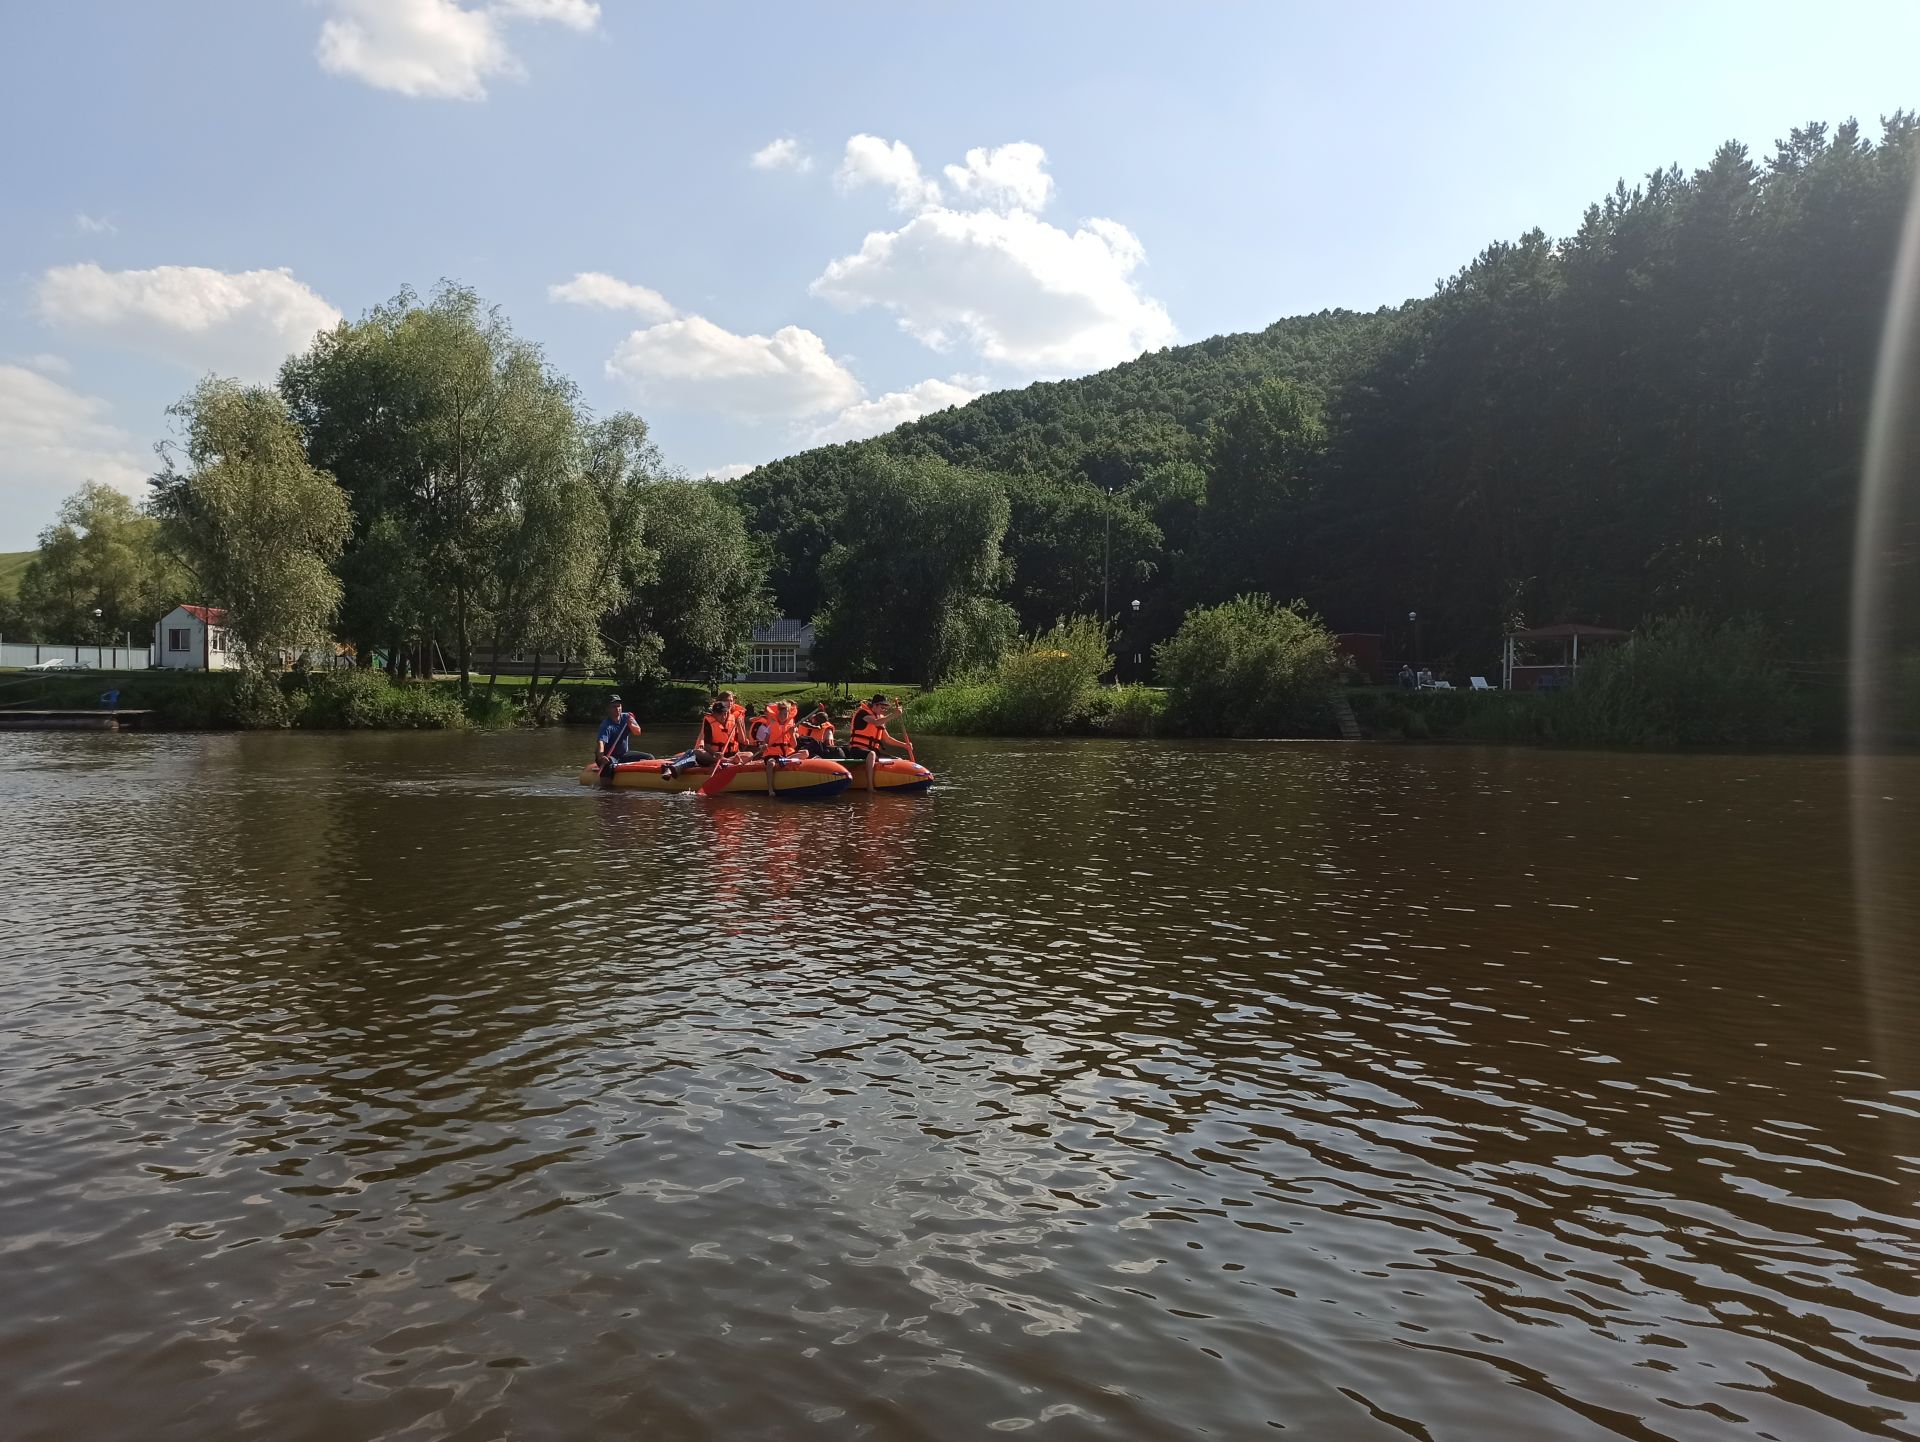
398,1087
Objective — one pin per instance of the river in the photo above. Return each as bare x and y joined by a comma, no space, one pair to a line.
395,1086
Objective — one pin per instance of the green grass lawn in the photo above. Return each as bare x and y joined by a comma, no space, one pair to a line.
12,563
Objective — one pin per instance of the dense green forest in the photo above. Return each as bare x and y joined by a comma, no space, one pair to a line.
1661,411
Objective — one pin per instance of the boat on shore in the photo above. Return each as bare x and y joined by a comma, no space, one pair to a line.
803,778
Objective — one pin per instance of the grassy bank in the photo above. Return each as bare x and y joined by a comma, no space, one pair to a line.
366,700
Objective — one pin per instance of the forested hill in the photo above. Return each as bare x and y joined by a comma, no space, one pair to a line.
1658,412
1158,406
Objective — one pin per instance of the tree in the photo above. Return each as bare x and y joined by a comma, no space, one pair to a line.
433,416
102,556
256,527
1248,667
695,607
1262,456
913,578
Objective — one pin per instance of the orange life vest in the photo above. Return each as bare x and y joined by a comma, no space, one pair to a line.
718,736
821,734
869,732
780,735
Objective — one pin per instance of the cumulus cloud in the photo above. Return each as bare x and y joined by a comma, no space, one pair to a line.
592,287
48,364
881,414
1018,290
1007,177
240,323
434,49
782,154
93,224
889,164
733,471
581,15
55,440
693,363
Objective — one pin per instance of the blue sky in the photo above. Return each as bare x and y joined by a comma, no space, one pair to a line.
196,185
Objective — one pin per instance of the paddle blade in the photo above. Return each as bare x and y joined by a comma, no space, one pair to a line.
718,782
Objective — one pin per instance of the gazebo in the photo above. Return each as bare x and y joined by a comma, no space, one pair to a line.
1518,675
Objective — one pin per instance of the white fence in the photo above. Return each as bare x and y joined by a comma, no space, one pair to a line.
90,658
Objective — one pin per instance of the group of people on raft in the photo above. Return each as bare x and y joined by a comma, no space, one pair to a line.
736,734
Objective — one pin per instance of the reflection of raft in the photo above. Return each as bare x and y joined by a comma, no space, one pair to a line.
894,773
802,778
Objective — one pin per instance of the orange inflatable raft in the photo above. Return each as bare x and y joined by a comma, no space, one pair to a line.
800,778
892,773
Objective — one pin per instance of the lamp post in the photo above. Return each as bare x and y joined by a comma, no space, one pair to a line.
1136,627
1413,620
1106,548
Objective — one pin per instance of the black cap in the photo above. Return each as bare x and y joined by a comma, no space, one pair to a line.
613,698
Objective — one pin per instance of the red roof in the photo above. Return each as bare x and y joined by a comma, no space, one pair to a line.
212,615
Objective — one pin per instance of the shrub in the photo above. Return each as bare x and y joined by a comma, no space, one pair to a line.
1128,710
1047,685
355,700
1249,667
963,708
1684,681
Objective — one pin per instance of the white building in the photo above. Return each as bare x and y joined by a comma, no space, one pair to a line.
191,638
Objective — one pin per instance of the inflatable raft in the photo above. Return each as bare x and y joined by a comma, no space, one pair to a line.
802,778
893,773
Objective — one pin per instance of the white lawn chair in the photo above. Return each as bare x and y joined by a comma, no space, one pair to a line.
1479,683
1443,685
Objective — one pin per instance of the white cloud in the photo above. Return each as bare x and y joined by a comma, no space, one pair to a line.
731,472
54,440
93,225
240,323
782,154
881,414
434,49
581,15
869,160
48,364
1016,289
696,364
592,287
1007,177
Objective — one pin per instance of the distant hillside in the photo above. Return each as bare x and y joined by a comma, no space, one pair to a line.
12,563
1658,412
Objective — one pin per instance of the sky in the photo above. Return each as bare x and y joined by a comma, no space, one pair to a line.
769,226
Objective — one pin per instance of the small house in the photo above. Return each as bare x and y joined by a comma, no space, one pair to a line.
192,638
781,650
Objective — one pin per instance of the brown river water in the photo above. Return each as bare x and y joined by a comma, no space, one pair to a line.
397,1087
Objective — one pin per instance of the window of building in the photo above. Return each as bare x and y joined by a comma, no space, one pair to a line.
177,638
219,641
773,661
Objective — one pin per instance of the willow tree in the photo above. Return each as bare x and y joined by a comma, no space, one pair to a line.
255,525
437,419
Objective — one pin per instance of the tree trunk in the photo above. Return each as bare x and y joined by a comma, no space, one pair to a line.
493,676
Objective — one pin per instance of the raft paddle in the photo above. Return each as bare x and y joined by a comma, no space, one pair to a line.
720,779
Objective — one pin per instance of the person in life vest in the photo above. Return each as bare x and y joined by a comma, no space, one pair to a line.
737,714
869,734
817,735
716,742
615,741
776,739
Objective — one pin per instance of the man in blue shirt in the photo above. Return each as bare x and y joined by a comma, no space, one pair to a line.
615,741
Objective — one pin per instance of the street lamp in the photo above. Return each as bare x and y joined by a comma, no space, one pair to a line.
1413,620
1106,549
